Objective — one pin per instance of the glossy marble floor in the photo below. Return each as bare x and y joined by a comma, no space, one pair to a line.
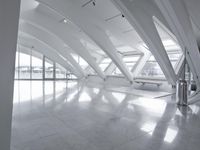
77,116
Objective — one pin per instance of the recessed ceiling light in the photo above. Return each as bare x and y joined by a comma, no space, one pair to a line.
65,20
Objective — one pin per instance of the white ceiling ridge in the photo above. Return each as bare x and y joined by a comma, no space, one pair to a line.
50,27
49,53
102,24
90,28
57,45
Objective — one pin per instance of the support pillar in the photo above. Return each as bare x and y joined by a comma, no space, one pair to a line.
9,16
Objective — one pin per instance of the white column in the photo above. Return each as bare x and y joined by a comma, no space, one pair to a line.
9,16
143,23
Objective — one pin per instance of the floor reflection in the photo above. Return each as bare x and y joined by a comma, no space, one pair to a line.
33,90
170,134
80,116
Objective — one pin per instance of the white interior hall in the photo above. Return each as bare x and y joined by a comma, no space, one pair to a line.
100,75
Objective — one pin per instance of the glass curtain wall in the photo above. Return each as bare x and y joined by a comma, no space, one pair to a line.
24,66
37,65
61,72
49,69
29,65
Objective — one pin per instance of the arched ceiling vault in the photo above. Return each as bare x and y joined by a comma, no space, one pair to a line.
87,30
28,41
85,20
63,34
52,41
142,20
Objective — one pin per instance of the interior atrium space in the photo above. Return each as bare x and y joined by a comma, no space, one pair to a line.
100,75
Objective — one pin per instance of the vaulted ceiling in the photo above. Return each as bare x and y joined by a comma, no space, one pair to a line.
99,29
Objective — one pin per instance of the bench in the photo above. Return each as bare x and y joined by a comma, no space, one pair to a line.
143,81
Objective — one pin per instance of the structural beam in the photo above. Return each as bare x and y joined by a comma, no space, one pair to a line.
53,42
177,15
9,16
46,50
71,10
63,33
99,59
143,23
141,64
109,70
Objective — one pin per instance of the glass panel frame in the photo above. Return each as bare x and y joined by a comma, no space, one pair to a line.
49,69
24,65
37,65
61,72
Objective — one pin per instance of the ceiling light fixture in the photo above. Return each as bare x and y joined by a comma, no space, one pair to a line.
65,20
115,16
90,1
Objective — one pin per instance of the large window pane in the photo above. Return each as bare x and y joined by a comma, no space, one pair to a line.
24,66
48,68
37,68
60,72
